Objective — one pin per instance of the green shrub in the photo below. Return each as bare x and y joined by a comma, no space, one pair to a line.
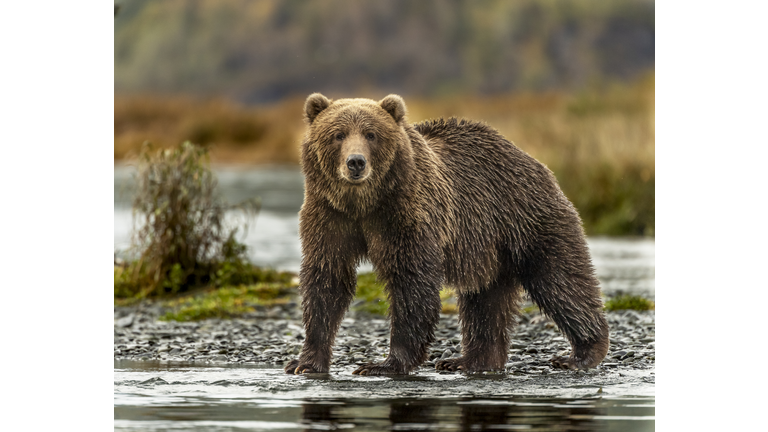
182,240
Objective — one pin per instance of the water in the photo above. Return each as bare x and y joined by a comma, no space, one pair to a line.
152,396
175,396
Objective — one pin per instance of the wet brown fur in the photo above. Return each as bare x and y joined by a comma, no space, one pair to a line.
444,202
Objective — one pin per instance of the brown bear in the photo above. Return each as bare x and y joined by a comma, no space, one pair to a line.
443,202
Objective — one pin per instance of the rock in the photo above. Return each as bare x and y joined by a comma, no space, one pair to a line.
138,335
516,344
125,321
628,354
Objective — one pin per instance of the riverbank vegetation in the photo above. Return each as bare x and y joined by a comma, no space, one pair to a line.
232,301
181,239
629,301
190,260
599,142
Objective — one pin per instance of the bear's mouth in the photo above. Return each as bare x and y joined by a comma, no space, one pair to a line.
356,180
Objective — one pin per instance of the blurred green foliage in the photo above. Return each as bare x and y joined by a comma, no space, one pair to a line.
611,200
263,51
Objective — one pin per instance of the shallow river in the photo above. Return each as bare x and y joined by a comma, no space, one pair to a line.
164,396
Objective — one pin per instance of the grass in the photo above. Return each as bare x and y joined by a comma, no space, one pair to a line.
374,296
599,142
235,133
629,301
374,299
227,302
372,293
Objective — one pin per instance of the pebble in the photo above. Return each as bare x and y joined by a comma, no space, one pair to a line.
276,336
125,321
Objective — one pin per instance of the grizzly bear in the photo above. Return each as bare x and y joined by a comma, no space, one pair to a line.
443,202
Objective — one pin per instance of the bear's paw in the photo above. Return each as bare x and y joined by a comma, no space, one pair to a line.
467,365
295,367
571,363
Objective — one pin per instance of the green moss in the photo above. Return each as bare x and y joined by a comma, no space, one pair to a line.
628,301
371,291
227,302
448,300
374,296
531,308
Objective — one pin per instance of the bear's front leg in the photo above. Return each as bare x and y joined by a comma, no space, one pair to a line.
414,309
331,247
326,295
412,272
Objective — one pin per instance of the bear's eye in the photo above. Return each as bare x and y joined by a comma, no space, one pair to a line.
340,136
370,136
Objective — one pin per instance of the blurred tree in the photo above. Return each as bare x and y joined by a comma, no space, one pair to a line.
261,51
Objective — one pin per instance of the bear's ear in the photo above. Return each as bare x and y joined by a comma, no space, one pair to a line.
314,105
395,106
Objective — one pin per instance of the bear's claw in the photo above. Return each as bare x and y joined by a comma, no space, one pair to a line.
568,363
291,366
451,365
463,364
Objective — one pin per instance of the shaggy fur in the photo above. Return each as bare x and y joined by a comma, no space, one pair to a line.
441,202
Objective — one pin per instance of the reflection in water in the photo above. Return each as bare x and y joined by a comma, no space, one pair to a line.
409,415
165,396
476,415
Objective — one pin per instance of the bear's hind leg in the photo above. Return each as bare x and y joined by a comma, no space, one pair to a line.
487,318
573,302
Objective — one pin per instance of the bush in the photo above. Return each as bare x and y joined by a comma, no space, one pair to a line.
182,240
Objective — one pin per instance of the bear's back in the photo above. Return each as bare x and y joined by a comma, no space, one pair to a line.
501,197
477,156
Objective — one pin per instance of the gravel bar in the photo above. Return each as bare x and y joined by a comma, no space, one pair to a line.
275,336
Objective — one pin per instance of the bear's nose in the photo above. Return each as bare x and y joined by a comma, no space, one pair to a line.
356,164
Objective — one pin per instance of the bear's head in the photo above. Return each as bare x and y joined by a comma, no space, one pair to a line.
351,147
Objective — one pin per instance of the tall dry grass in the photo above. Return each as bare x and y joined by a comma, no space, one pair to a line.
600,143
234,133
